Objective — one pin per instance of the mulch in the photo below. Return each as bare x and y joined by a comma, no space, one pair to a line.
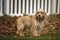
8,25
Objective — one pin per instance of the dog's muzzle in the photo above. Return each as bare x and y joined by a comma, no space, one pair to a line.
41,18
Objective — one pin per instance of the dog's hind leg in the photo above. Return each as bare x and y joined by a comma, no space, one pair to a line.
20,28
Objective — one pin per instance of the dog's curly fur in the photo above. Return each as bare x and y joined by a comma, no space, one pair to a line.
31,23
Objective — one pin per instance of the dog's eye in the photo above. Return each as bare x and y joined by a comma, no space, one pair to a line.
38,12
41,12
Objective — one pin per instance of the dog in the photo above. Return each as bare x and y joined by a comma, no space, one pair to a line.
31,23
41,19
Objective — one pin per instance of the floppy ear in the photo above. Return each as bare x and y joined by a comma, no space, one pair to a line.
36,13
45,15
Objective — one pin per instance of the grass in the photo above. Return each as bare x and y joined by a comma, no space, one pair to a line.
55,36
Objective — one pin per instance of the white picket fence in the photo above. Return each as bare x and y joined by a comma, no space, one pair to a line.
18,7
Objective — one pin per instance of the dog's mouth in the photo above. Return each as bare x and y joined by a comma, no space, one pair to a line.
40,18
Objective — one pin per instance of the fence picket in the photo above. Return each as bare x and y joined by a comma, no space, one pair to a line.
18,7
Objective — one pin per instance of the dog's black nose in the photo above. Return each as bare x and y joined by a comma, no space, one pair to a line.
39,15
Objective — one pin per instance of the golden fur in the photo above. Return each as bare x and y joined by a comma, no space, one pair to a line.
31,23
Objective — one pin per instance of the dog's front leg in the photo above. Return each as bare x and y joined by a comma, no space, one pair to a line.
20,28
34,30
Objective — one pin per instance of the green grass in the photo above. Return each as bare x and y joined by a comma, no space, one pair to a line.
55,36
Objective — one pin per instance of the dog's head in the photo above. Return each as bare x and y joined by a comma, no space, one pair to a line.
41,14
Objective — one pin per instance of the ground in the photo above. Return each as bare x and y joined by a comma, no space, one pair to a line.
8,29
42,37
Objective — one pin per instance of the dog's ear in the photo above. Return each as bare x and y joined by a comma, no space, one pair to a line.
45,14
36,12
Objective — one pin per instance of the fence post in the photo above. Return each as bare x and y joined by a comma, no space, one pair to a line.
1,14
59,6
58,11
23,6
46,5
34,6
31,6
15,11
27,6
19,10
7,7
11,8
49,7
42,1
53,6
38,4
